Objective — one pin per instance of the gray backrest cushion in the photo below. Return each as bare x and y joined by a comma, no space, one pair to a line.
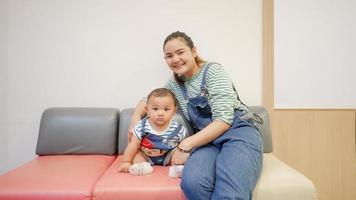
78,131
125,118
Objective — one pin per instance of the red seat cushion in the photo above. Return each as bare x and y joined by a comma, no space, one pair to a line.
56,177
158,185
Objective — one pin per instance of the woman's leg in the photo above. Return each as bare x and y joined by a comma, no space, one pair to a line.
198,178
239,163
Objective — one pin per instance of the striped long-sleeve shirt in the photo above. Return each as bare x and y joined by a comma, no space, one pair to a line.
222,98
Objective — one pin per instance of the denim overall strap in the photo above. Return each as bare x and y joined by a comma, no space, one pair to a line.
198,108
203,81
163,159
143,124
175,132
202,85
184,91
254,118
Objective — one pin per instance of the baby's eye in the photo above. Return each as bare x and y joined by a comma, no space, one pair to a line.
167,109
155,109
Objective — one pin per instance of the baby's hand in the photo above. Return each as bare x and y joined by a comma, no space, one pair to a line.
124,167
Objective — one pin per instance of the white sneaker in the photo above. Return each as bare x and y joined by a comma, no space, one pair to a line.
141,168
175,171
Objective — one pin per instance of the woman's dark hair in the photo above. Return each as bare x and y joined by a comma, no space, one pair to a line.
190,44
179,34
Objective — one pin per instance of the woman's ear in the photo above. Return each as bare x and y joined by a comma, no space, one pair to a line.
194,52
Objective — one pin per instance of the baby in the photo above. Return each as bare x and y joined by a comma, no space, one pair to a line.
155,137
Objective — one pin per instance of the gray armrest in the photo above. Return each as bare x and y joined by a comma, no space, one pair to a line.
125,118
78,131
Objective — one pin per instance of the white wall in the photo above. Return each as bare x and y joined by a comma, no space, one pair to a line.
109,54
4,141
315,45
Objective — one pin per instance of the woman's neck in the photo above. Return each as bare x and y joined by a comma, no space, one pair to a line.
196,69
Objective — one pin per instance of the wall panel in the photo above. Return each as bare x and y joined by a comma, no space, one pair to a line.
318,143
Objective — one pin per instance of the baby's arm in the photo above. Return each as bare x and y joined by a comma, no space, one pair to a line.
129,154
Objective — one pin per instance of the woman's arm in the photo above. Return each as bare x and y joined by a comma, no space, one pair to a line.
139,109
204,136
139,112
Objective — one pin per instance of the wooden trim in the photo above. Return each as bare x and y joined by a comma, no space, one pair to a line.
321,144
268,54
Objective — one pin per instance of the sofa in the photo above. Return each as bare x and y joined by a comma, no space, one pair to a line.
79,150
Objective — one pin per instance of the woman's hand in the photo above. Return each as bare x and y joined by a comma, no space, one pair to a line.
179,157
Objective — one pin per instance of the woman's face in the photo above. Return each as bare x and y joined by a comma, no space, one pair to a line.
180,57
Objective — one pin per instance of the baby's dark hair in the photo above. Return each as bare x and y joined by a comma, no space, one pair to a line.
183,36
162,92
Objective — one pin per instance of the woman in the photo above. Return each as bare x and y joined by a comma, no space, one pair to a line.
223,157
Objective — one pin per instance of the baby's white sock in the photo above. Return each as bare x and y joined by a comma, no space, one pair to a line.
175,171
141,168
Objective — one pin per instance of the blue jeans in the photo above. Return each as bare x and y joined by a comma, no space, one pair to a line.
227,168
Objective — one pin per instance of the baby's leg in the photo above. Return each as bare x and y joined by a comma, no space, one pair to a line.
140,165
139,157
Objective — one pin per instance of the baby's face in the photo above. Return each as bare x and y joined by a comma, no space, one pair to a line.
160,110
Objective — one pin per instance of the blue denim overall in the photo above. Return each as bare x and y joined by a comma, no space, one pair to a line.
160,143
229,166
